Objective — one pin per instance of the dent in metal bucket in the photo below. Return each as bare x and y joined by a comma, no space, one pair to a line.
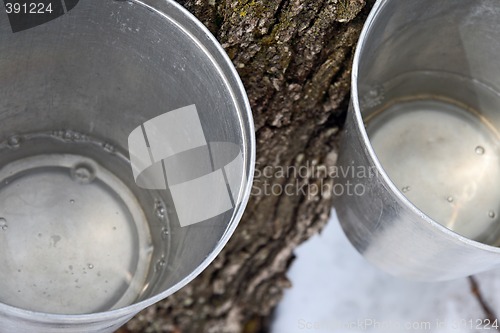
126,158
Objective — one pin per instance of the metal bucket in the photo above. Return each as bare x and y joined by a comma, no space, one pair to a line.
126,160
421,143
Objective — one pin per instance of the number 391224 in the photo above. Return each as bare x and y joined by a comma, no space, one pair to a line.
28,8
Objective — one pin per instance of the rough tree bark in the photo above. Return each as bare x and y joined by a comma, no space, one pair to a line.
294,58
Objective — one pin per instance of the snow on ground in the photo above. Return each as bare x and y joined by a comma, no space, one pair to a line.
336,290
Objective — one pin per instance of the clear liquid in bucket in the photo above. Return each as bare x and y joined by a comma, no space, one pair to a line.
445,158
74,238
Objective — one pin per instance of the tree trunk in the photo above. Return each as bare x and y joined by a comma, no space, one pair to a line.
294,57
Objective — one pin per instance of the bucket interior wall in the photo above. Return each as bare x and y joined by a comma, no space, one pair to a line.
425,35
103,69
436,63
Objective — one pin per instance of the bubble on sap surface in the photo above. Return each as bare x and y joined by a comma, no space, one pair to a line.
14,141
406,189
3,224
68,135
71,201
90,266
449,199
160,209
58,133
491,214
83,173
164,233
108,147
160,264
479,150
54,239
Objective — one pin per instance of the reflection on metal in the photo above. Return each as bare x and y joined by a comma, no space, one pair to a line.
171,152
